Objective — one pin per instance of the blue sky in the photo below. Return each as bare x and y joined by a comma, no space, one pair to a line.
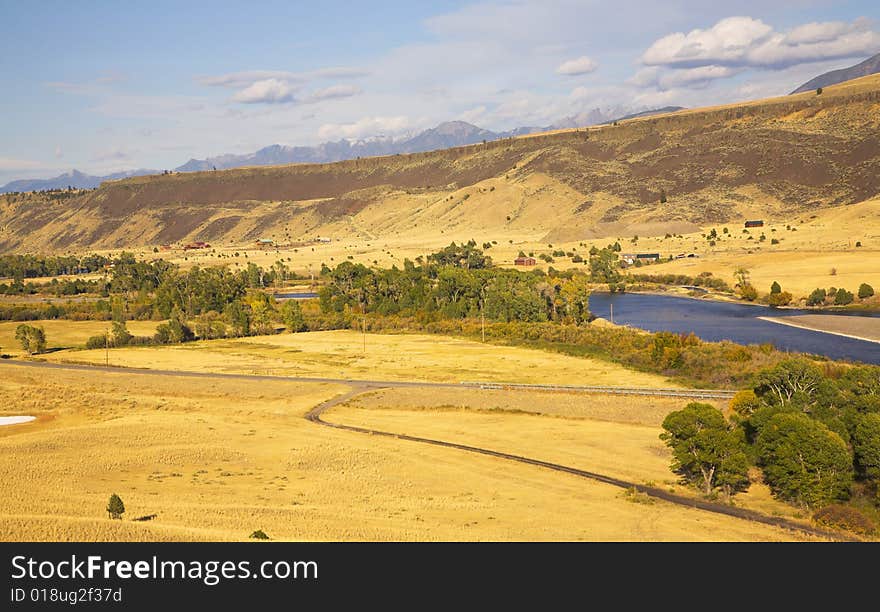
106,86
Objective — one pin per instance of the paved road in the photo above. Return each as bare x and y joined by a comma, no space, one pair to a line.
360,386
684,393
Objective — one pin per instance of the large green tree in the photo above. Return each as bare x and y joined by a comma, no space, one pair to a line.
706,450
31,338
803,460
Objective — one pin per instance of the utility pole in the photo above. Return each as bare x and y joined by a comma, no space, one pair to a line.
107,347
612,313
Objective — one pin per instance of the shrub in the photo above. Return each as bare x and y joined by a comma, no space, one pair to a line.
838,516
748,292
775,288
780,299
865,291
817,297
259,534
115,507
843,297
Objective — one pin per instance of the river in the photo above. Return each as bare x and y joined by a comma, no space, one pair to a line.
715,321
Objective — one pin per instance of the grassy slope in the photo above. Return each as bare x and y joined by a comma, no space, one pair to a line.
766,158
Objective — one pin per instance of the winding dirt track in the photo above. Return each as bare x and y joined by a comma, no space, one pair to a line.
358,387
315,414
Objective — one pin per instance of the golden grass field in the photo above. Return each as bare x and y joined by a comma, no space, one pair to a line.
62,334
216,459
340,354
627,450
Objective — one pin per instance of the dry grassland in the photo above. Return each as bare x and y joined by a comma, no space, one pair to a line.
62,334
218,459
340,354
628,451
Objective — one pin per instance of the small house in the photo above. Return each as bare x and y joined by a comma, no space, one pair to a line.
265,242
755,223
524,261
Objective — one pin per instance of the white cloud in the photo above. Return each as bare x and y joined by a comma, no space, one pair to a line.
238,80
693,78
748,42
367,126
113,155
9,163
473,114
268,91
333,92
581,65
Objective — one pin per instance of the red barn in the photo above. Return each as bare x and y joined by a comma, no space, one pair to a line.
524,261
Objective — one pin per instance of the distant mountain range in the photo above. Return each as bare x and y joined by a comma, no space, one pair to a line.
869,66
74,178
444,136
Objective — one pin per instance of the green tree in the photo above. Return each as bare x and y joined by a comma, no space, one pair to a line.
775,288
804,461
115,507
866,445
119,335
865,291
175,330
239,316
790,380
817,297
843,297
706,452
292,316
32,339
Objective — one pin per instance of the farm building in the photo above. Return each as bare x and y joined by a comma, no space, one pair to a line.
755,223
524,261
631,258
265,242
196,245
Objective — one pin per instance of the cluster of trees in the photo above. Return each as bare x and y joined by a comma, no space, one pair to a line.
703,279
815,435
456,289
32,266
838,296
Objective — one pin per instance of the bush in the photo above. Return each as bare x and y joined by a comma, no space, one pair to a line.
748,292
838,516
780,299
115,507
865,291
817,297
259,534
775,288
97,342
843,297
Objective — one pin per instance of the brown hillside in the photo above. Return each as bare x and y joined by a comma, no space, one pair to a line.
769,157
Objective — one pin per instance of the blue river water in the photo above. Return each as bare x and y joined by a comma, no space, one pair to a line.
715,321
296,296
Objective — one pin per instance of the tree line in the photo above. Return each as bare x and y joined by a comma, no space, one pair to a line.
814,433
